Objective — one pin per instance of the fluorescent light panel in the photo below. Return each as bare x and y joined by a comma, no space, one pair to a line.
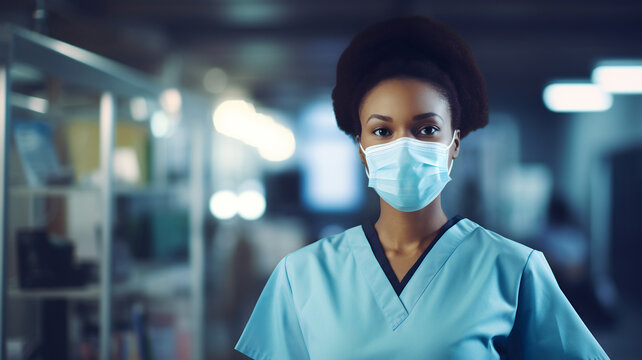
576,97
621,77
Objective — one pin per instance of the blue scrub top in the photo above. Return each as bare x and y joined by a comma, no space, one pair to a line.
475,295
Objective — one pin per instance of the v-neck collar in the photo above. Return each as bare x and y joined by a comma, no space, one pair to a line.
396,308
377,248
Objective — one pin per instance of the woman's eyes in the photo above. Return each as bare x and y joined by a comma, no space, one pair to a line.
428,130
381,132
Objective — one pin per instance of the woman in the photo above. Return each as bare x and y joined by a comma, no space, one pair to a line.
415,284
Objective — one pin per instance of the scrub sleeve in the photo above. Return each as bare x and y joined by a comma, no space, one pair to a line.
273,330
546,325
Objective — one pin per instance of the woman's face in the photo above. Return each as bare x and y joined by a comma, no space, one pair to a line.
407,107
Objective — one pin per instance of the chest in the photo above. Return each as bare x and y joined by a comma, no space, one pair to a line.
456,317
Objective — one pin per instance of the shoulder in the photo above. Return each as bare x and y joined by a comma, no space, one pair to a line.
488,239
331,252
328,248
493,246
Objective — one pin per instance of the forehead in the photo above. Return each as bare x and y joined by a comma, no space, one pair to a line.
402,97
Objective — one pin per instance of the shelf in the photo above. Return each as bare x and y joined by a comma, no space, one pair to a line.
151,190
80,293
75,65
51,190
91,292
23,190
149,281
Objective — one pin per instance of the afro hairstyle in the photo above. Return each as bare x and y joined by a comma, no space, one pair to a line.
417,47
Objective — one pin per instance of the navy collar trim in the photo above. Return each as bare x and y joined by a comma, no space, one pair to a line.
373,239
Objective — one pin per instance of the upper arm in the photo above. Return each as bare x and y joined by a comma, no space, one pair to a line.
273,330
546,325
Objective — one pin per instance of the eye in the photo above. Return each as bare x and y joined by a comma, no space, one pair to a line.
428,130
381,132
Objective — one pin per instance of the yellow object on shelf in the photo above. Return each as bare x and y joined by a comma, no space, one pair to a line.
83,146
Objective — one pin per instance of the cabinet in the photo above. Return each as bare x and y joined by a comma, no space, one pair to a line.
66,95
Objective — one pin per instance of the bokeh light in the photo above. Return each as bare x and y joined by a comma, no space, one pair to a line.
576,97
224,204
251,205
171,100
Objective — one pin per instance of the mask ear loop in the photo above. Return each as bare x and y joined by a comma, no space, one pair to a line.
452,141
364,154
452,162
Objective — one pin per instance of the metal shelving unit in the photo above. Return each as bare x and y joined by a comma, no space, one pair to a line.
51,190
68,190
82,68
90,292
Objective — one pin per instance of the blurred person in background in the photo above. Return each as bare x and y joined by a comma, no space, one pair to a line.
415,283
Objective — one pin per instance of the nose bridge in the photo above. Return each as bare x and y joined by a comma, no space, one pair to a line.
404,131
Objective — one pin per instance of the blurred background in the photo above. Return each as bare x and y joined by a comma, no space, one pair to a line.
212,123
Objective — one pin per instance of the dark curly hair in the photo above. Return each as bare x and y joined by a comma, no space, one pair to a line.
416,47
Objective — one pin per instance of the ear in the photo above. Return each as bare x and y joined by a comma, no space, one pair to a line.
455,150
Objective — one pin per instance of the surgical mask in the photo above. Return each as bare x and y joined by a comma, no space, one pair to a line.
408,173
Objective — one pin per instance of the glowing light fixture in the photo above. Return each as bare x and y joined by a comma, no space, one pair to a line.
576,97
126,166
162,125
274,141
224,204
138,108
239,119
281,147
171,100
231,117
251,205
619,77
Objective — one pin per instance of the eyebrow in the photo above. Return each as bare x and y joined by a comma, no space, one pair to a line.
414,118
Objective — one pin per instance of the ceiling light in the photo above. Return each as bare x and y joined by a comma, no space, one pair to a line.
576,97
619,77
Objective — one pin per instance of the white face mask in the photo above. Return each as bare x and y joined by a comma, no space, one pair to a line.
408,173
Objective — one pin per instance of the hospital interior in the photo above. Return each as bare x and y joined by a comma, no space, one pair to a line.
159,158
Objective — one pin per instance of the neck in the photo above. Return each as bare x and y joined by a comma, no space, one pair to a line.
406,231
